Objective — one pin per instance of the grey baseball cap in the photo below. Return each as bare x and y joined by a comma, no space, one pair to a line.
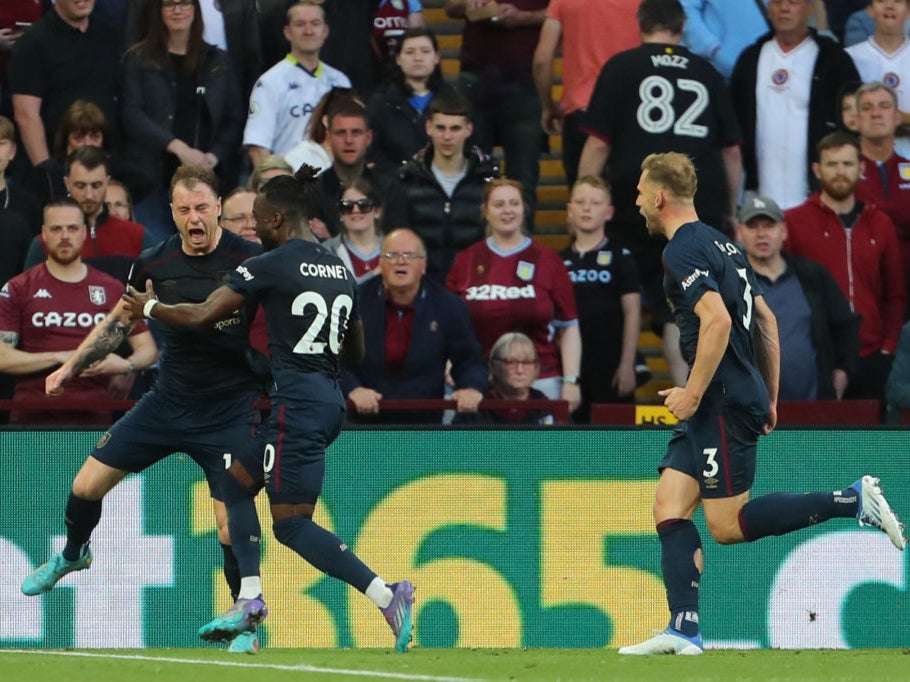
756,205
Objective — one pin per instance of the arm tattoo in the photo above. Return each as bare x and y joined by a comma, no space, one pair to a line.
113,332
10,338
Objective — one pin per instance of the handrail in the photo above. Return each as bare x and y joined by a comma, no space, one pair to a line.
559,408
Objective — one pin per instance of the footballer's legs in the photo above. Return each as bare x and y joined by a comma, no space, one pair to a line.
682,562
239,491
780,513
294,527
83,512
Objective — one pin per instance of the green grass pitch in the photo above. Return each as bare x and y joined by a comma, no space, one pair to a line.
449,665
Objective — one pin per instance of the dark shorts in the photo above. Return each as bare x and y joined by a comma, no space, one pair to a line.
307,415
210,432
717,448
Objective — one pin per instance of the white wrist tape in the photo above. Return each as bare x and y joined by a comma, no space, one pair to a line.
148,307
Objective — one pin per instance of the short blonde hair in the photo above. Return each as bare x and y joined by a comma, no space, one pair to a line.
674,172
594,181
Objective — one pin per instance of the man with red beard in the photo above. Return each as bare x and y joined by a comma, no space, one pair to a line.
858,244
47,310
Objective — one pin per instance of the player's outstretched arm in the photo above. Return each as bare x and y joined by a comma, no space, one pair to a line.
767,354
103,339
220,304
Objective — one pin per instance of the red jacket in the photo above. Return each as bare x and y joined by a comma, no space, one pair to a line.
893,199
866,264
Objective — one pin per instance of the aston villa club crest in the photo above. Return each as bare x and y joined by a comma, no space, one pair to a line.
904,170
780,77
604,257
97,295
525,270
892,79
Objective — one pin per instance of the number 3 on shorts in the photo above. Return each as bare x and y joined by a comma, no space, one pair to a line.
713,467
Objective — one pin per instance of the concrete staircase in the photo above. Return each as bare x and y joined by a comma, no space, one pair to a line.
552,192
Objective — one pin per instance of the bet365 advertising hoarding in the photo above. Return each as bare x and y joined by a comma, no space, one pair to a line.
538,538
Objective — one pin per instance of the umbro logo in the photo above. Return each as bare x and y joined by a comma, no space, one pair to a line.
42,293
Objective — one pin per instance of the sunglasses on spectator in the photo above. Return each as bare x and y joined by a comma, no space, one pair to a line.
171,5
406,256
364,205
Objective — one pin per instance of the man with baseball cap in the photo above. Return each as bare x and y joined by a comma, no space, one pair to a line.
819,334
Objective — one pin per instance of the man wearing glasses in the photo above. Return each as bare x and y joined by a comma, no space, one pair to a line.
415,326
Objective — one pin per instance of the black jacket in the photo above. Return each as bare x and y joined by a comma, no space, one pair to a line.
833,68
241,32
835,328
399,131
446,225
148,98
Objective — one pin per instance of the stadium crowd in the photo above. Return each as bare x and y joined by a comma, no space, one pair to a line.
794,112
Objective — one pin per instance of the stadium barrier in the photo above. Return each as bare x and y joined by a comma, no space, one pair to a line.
513,538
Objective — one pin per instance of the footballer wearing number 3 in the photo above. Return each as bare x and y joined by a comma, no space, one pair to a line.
729,339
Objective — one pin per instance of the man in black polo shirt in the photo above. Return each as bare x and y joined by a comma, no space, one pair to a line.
63,57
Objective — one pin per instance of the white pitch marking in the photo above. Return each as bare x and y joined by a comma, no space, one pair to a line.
236,664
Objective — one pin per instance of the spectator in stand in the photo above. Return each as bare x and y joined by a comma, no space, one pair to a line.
349,137
357,245
113,243
591,33
884,175
719,30
861,26
819,334
608,298
15,17
315,150
270,167
398,112
514,367
785,90
442,187
392,20
415,327
118,200
63,57
885,56
497,53
51,306
230,25
858,244
849,120
83,125
181,105
656,97
237,214
14,199
510,283
284,96
16,230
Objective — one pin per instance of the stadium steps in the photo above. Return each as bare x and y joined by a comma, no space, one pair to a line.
552,192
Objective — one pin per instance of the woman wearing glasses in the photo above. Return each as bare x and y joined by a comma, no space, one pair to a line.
514,368
181,105
512,284
357,245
